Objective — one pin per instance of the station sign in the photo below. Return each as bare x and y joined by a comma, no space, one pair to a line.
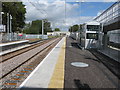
2,28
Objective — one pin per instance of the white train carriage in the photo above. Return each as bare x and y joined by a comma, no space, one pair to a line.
90,35
74,35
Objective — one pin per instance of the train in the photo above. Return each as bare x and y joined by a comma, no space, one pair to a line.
89,36
74,35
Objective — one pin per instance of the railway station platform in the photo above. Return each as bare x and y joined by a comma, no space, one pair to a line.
13,46
112,52
50,72
69,67
93,75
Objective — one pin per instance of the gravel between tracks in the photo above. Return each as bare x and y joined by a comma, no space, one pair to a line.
13,62
12,54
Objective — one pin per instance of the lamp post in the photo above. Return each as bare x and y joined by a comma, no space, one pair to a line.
43,21
42,29
10,27
78,13
0,12
1,17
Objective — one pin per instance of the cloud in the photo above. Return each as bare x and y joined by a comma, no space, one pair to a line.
60,0
91,0
54,11
65,24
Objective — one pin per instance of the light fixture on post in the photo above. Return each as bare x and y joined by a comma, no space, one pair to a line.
1,16
10,27
42,29
43,21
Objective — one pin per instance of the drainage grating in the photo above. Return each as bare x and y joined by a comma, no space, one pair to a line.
79,64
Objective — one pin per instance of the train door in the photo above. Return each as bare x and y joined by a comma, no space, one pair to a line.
91,40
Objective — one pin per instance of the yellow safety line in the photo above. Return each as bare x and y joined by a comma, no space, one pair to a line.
57,80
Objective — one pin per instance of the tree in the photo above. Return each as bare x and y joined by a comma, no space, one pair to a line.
36,27
47,27
49,30
70,29
81,25
17,10
74,28
57,29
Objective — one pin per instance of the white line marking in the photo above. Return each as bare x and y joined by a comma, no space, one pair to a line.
37,67
114,48
11,43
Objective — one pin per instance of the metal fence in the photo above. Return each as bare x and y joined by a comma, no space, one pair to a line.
30,36
5,37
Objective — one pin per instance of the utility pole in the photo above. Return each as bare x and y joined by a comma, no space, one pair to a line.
0,13
0,24
80,2
42,29
78,13
8,26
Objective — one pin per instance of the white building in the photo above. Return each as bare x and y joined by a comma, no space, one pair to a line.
58,33
111,14
110,20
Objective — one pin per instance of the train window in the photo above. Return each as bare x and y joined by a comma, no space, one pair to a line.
92,36
93,27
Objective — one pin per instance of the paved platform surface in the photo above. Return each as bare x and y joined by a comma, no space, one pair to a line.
50,72
56,71
96,75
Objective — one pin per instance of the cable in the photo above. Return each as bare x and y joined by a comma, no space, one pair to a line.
37,8
65,11
42,9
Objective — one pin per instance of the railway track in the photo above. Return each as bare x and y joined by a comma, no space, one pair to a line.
10,55
13,64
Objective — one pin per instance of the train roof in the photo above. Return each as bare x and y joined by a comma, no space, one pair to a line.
92,23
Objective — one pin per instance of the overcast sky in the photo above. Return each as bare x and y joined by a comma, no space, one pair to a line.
63,15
